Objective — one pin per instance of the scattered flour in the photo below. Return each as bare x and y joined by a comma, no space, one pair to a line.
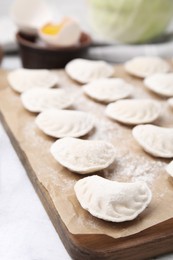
32,135
128,166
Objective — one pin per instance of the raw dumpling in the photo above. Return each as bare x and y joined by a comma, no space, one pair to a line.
111,200
85,71
108,90
134,112
169,168
61,123
37,99
145,66
83,156
23,79
160,83
170,102
157,141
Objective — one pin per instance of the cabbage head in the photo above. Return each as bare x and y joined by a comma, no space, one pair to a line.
130,21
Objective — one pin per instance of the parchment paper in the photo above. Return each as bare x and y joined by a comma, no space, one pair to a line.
131,163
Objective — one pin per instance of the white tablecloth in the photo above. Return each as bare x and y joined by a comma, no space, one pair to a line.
26,232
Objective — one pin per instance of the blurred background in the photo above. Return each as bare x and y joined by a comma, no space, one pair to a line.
120,29
76,8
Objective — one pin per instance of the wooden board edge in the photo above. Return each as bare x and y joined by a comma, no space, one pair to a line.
76,244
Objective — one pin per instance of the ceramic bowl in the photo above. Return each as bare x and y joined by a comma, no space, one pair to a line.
37,55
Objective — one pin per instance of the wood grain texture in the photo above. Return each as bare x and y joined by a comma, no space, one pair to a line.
151,242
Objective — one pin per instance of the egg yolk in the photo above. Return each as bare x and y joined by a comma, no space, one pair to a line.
52,29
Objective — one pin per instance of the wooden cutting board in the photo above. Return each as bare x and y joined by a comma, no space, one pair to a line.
129,240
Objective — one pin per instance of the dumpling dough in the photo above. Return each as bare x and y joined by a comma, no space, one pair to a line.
111,200
108,90
160,83
23,79
62,123
169,168
85,71
134,111
145,66
83,156
157,141
37,99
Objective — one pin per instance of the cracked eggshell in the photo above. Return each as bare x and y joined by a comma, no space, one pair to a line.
30,15
64,34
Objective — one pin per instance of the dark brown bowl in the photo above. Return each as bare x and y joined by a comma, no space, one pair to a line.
37,55
1,55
